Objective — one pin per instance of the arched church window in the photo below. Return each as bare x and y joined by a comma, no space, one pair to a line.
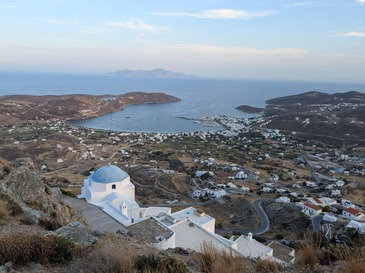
114,187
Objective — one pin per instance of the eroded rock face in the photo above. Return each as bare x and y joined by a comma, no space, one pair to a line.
28,190
77,233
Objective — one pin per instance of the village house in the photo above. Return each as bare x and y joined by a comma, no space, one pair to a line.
352,213
316,201
311,209
360,227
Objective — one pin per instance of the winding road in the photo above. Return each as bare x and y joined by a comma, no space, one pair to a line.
265,223
264,226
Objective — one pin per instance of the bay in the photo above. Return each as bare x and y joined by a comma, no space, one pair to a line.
199,97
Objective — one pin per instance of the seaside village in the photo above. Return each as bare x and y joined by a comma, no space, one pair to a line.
321,195
110,188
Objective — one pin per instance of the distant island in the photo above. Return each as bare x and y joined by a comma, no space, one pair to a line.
155,73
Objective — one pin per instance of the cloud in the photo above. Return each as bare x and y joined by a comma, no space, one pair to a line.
360,1
137,24
14,6
61,22
225,14
350,34
304,4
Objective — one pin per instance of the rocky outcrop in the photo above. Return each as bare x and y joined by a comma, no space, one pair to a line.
78,233
27,189
24,161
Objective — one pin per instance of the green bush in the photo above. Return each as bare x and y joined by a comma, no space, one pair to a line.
62,250
67,193
159,263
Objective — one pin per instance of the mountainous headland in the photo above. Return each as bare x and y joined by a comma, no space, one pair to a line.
154,73
249,109
16,109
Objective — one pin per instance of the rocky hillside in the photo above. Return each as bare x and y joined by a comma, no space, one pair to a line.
16,109
332,118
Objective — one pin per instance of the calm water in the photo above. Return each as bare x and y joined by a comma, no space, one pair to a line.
199,97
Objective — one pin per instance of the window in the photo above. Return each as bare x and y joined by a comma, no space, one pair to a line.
114,187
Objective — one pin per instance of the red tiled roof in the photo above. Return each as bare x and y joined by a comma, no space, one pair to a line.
309,205
319,201
353,211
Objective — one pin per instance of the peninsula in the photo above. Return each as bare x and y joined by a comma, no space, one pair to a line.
16,109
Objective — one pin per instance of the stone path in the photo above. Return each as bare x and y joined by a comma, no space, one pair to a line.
97,218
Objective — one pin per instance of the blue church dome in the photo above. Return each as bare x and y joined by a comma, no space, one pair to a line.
108,174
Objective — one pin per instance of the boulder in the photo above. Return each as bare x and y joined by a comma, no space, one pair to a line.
77,233
23,161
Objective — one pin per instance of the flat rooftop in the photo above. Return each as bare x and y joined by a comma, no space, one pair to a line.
197,216
149,231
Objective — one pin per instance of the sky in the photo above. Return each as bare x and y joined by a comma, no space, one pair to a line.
251,39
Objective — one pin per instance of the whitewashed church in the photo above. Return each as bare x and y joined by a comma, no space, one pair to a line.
110,188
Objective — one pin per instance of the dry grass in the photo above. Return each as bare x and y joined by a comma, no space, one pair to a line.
308,255
212,260
353,260
4,211
110,255
268,266
354,266
25,248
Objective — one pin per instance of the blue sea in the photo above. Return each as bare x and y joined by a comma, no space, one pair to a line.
199,97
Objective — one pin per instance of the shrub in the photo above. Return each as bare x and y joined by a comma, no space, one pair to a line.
62,250
67,193
268,266
212,260
159,263
25,248
6,169
107,260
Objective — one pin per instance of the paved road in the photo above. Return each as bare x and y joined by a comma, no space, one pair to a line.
265,223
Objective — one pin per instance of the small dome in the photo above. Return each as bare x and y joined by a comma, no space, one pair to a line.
108,174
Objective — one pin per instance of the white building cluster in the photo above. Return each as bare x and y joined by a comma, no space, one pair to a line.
110,188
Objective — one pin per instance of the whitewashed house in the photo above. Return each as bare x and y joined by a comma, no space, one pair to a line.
352,213
283,199
360,227
311,209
